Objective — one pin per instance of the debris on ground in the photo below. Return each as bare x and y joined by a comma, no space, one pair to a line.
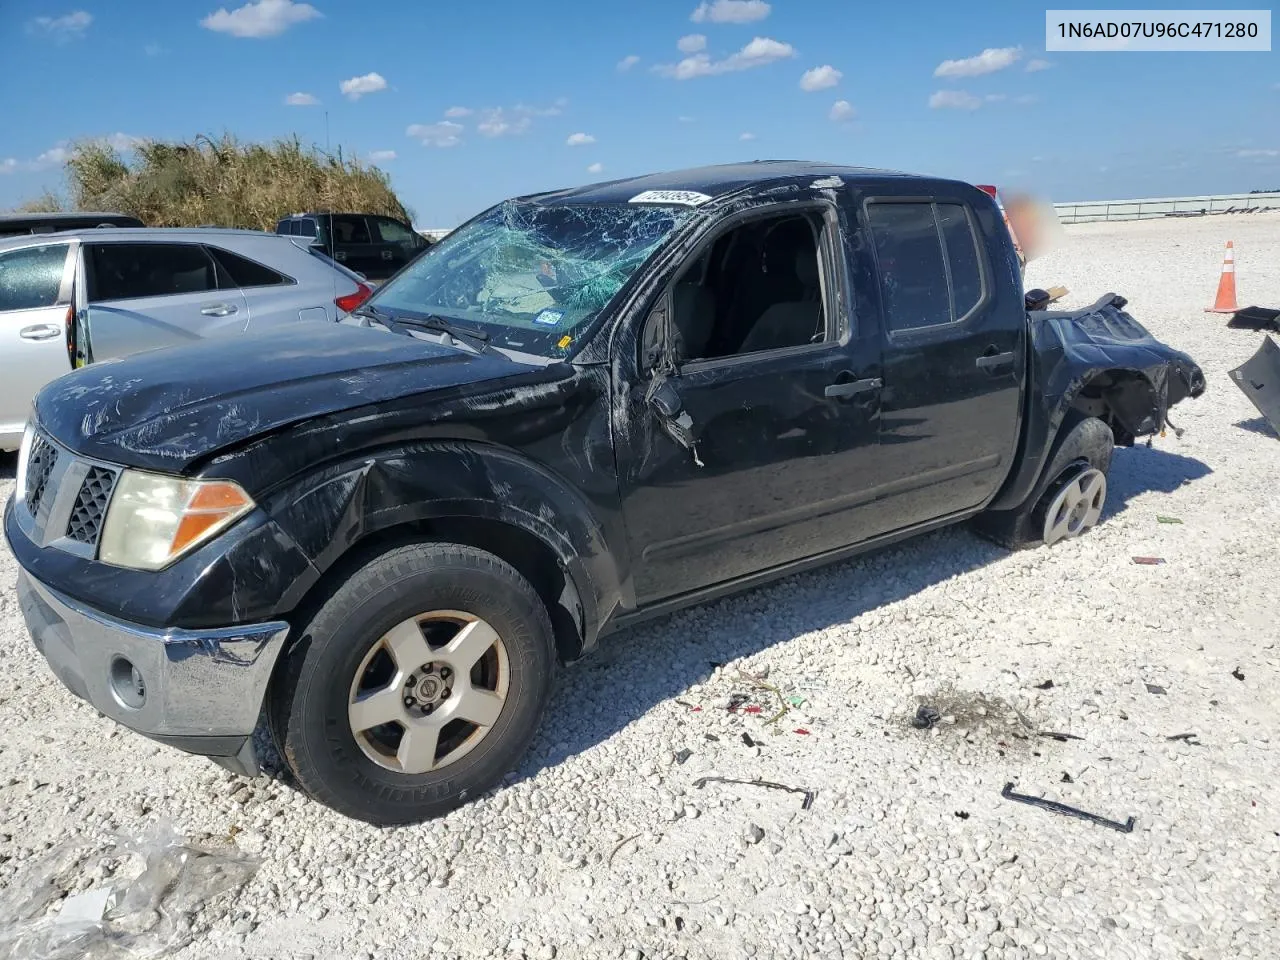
1149,561
1163,519
926,717
147,913
1060,737
753,834
1187,738
802,731
1062,808
1047,685
1238,673
1255,318
962,814
749,741
809,795
1067,778
1259,379
683,755
1155,688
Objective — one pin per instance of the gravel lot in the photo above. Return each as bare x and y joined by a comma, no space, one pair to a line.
602,846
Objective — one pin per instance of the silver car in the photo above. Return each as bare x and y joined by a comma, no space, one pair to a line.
72,298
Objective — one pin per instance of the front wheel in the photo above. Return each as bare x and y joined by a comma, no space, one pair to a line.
1070,496
416,686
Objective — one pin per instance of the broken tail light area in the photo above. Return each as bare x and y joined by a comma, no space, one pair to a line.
994,194
353,300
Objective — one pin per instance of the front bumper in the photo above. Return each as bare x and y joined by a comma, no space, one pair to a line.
199,690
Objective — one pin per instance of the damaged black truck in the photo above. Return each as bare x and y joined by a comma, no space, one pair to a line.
580,409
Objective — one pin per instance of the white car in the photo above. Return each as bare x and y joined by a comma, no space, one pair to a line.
75,297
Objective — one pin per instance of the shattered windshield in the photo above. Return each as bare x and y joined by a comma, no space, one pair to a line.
531,276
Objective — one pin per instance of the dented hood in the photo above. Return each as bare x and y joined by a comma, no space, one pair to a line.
166,409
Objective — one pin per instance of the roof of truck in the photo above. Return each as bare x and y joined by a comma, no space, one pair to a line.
715,181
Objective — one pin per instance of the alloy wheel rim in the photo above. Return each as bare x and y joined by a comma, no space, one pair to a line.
428,691
1076,507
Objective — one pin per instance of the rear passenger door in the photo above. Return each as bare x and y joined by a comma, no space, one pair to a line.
953,359
35,297
142,296
271,296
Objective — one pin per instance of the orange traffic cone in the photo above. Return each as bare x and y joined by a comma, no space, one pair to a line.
1226,301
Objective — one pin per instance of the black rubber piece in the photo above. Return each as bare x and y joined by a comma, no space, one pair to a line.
307,702
1082,442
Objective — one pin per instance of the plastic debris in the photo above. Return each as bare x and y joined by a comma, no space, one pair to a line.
1149,561
802,731
1238,673
752,709
683,755
796,701
1055,807
1155,688
1060,737
1160,519
146,913
749,741
1047,685
962,814
808,794
926,717
1067,778
737,700
1190,738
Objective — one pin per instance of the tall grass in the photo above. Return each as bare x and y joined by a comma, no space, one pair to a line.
220,182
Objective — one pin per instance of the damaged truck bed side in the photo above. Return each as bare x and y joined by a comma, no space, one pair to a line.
580,409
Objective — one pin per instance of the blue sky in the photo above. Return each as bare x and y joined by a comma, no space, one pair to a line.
464,103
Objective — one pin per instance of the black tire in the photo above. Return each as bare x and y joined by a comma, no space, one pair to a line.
308,699
1082,442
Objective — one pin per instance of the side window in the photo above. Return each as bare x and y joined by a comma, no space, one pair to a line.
912,273
243,272
350,230
928,261
306,227
30,277
125,271
962,257
389,231
757,287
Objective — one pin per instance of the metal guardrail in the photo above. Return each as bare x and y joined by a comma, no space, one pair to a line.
1150,209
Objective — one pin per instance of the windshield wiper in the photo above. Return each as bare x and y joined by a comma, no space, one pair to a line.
445,325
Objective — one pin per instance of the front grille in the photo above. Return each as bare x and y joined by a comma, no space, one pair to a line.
41,459
91,505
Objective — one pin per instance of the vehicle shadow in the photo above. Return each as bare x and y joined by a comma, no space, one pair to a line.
1140,469
8,465
1257,425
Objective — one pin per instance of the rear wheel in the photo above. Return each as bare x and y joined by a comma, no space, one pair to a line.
1071,494
416,685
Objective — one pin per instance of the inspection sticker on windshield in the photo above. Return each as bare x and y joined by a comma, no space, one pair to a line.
687,198
549,318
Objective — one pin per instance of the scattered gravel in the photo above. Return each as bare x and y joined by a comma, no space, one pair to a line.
599,846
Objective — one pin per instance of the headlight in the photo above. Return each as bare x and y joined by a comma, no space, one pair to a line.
154,519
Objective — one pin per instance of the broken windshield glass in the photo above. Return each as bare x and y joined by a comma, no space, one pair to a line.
532,276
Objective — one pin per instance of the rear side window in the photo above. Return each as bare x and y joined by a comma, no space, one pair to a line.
306,227
30,277
283,227
928,260
389,231
125,271
350,230
243,272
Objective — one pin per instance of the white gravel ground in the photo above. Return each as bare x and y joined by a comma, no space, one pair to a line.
601,845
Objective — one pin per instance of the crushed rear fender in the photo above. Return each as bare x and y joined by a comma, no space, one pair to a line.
1105,363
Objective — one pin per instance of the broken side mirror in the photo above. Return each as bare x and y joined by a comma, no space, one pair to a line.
665,399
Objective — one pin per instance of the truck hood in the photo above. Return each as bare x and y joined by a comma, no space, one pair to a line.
166,409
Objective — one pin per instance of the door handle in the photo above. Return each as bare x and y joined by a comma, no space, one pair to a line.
989,361
219,309
854,387
40,331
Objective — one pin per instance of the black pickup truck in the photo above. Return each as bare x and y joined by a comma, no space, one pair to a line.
581,409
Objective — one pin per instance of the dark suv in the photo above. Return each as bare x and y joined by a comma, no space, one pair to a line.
25,224
375,245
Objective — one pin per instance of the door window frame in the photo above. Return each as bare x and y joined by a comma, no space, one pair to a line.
833,283
933,330
89,269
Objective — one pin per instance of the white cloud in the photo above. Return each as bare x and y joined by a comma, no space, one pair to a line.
842,111
456,112
596,168
820,78
358,87
746,136
995,97
693,43
497,122
687,119
381,156
123,142
579,140
988,61
1034,66
1257,154
9,165
758,53
954,100
53,157
730,11
446,133
626,63
71,26
260,18
300,100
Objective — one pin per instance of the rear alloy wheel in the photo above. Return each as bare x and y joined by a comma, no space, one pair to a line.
1076,507
417,684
